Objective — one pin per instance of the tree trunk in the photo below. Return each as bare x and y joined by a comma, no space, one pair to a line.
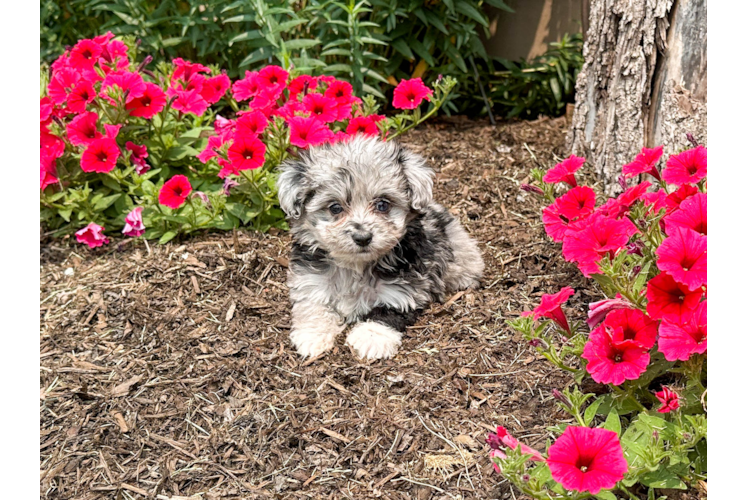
643,82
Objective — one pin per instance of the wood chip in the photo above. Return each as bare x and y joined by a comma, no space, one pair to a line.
335,435
124,388
230,312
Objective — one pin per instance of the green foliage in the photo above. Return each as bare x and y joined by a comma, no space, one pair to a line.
541,86
371,43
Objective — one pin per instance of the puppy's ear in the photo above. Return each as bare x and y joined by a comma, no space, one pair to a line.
419,177
293,187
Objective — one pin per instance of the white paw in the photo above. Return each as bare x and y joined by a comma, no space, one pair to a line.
373,340
311,343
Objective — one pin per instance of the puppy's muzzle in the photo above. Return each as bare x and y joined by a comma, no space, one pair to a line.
362,238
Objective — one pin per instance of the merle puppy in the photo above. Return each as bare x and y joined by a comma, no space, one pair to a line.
370,247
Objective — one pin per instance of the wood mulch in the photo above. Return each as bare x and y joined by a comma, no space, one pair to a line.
166,371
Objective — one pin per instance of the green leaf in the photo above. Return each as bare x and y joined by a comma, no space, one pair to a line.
301,43
65,214
613,422
471,12
662,478
243,212
402,47
180,219
368,39
167,237
605,495
104,203
591,411
243,37
180,152
499,4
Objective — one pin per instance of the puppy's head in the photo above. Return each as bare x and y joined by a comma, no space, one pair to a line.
353,199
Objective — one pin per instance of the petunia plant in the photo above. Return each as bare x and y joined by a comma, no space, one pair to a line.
639,424
141,151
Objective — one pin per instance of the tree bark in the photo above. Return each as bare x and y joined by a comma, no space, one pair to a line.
643,82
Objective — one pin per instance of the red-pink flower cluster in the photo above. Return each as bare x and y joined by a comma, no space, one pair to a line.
674,318
309,105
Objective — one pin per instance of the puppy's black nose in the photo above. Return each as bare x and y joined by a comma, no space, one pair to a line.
362,238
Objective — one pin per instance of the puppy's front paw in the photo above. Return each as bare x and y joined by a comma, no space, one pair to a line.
311,343
373,340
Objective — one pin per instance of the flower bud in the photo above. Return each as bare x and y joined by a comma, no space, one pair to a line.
228,183
560,397
144,63
203,197
635,247
526,478
686,436
635,271
655,435
531,189
691,139
535,342
622,182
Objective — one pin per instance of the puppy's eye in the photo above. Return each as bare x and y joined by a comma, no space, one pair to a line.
382,206
335,208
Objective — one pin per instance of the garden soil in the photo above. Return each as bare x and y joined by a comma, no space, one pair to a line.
167,373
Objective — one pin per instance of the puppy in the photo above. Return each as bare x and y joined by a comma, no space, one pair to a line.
370,247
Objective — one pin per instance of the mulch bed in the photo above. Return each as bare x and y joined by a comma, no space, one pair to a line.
166,371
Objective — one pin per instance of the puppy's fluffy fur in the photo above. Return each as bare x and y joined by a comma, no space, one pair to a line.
370,247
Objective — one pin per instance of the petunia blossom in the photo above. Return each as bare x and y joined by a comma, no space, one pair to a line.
138,154
307,132
323,108
247,87
149,104
83,94
82,130
645,163
683,256
597,237
100,156
688,167
630,327
214,88
302,84
362,125
272,78
85,54
668,299
685,336
550,307
669,399
134,223
130,86
63,82
691,214
608,363
246,153
501,439
564,171
600,309
215,142
252,123
409,94
92,235
175,191
587,459
190,101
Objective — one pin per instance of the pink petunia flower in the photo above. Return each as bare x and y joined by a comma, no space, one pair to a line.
82,94
577,203
630,327
92,235
683,256
252,123
599,237
246,153
48,170
62,84
688,167
175,191
674,199
564,171
247,87
307,132
362,125
82,130
645,163
190,101
134,223
149,104
501,439
100,156
130,85
85,54
224,127
323,108
409,94
669,399
690,215
670,300
272,78
609,363
214,88
550,307
228,183
138,156
600,309
215,142
301,84
185,71
684,337
587,459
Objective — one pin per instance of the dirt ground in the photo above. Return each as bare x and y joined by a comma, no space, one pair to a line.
166,371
